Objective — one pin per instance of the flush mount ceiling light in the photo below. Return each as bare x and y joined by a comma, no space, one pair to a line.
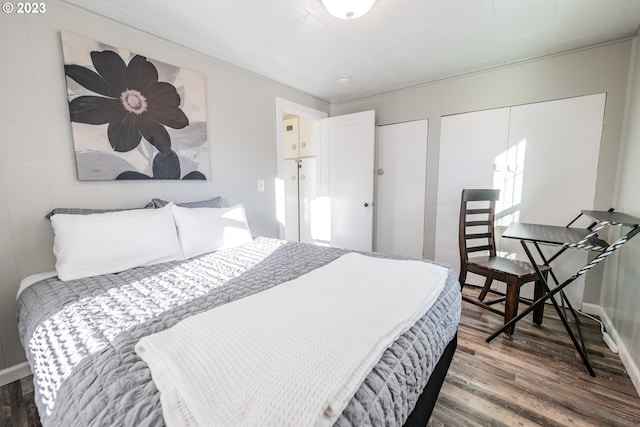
344,79
348,9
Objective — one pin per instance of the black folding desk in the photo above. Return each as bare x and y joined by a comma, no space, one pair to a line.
566,238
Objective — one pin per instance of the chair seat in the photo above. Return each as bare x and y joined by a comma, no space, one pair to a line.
506,266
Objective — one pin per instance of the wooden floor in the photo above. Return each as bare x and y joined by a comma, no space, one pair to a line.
16,410
534,378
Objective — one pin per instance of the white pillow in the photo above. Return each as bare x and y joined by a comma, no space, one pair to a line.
90,245
203,230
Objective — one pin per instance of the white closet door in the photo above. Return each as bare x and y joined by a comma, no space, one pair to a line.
291,231
546,171
347,156
560,144
470,146
400,191
561,157
311,216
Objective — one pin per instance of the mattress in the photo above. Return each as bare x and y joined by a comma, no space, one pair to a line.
80,335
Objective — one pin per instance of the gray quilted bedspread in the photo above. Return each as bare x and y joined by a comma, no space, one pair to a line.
80,335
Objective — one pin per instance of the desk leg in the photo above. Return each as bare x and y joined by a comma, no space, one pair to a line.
549,295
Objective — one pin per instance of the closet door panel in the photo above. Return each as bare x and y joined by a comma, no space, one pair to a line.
312,217
559,144
562,141
291,200
400,190
470,146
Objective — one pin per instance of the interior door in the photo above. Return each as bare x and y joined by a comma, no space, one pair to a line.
400,191
346,178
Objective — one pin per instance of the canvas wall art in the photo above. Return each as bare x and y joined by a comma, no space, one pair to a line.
133,117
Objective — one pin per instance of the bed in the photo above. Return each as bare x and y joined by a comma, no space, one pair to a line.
80,334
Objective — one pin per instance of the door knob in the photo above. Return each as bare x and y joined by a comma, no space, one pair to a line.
366,205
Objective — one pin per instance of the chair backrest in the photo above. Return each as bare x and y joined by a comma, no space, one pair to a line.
477,214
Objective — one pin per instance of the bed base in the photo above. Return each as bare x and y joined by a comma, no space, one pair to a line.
427,400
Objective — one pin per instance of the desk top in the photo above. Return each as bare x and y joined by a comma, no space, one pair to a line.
614,218
554,235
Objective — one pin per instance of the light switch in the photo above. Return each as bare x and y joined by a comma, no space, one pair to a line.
261,185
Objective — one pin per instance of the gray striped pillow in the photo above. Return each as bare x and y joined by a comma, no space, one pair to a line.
216,202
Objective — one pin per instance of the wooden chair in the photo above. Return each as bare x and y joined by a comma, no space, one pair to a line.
476,234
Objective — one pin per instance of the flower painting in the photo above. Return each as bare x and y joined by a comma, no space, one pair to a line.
133,117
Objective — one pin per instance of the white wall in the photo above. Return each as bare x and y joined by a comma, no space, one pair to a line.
595,70
37,167
621,286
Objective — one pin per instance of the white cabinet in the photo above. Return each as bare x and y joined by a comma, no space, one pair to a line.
308,137
307,205
290,136
300,199
291,208
300,140
300,137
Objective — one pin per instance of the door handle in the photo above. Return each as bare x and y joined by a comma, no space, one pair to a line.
366,205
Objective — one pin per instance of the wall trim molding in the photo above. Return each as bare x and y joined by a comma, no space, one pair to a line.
625,355
592,309
14,373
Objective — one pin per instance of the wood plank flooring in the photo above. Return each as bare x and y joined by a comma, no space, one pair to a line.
17,408
534,378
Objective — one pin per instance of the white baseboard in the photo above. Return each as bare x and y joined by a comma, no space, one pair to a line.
14,373
593,309
625,355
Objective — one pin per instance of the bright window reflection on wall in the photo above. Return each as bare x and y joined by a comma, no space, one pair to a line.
321,220
508,176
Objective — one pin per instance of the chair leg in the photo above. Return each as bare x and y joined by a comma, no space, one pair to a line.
511,303
463,275
538,292
485,289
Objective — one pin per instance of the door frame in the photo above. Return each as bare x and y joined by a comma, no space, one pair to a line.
284,106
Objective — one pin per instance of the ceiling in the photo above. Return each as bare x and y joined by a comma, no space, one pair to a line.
399,43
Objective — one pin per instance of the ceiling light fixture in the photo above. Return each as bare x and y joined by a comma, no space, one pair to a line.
348,9
344,79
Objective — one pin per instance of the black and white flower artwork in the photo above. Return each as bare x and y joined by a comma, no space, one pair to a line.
133,117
